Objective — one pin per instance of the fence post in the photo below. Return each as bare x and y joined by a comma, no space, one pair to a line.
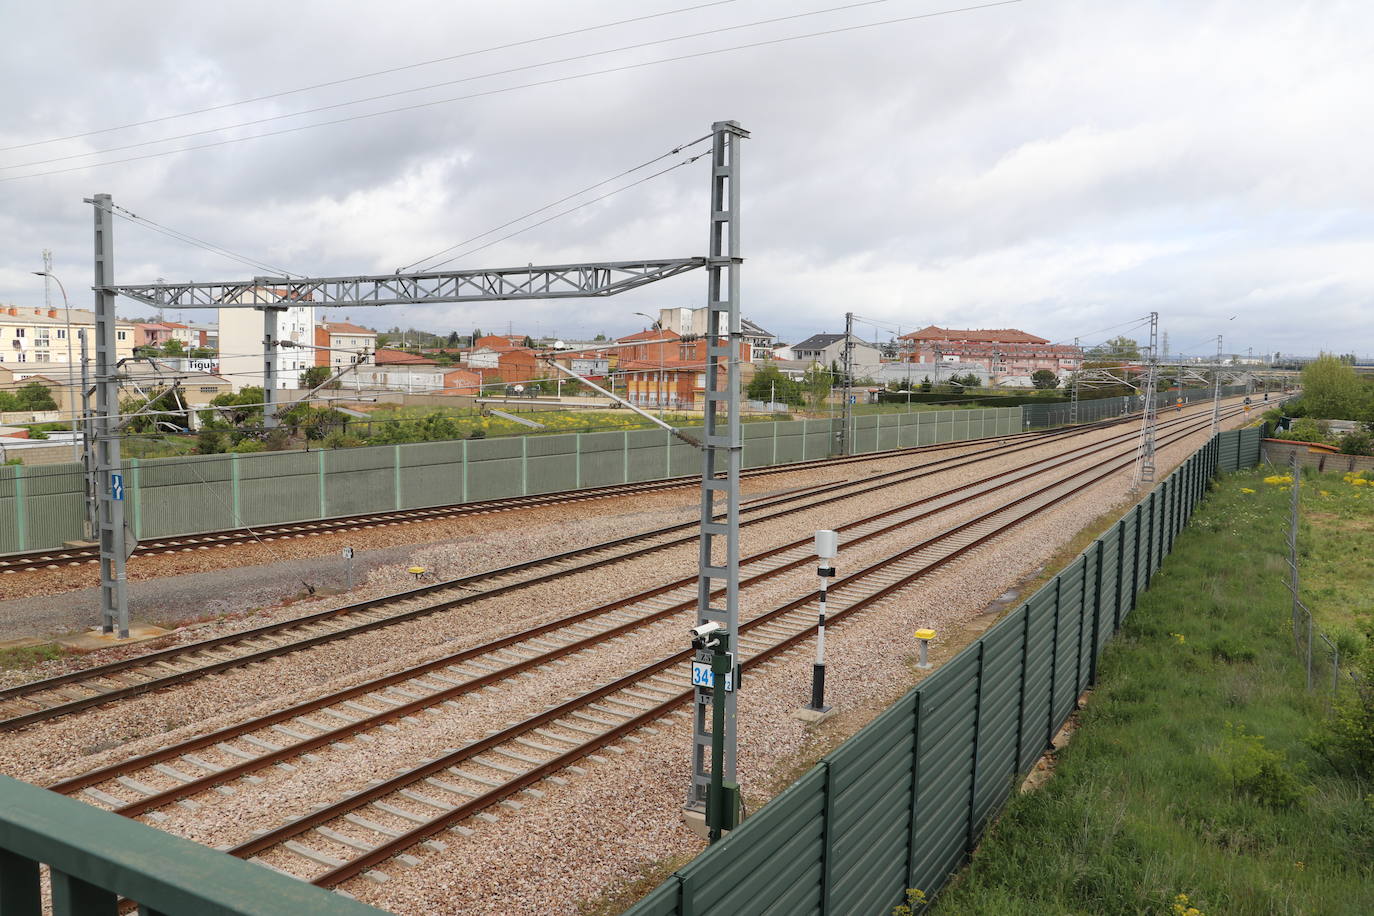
234,495
827,854
1054,669
977,745
19,884
525,466
915,791
21,507
465,471
320,475
1097,615
1021,693
136,502
396,474
577,461
775,444
625,457
1135,560
1152,503
1293,581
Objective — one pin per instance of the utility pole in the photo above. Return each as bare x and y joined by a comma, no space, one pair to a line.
1145,454
270,357
847,367
109,486
1073,401
1216,390
714,710
92,521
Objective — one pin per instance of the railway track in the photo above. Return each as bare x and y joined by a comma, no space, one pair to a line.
63,694
466,781
389,818
58,558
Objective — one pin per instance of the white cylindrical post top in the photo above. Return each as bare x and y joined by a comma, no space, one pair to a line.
827,544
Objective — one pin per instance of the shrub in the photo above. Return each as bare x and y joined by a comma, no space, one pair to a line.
340,439
210,442
247,446
1357,442
1348,738
1307,430
1255,770
1225,650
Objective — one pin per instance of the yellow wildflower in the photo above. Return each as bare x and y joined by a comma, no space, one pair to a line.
1180,637
1246,490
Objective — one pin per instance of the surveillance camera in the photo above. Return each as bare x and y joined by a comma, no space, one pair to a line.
702,630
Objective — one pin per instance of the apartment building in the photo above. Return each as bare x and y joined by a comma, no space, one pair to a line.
1003,353
32,339
241,334
342,344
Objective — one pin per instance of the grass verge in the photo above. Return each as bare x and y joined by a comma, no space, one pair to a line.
1190,785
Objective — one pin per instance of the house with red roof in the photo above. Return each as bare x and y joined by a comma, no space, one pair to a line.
1002,352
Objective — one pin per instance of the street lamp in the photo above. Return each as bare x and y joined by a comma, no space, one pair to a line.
67,310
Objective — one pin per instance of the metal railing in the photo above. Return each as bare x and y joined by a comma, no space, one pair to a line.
95,858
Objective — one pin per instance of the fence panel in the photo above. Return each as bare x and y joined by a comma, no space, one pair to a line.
778,871
999,718
647,453
551,464
945,769
864,434
491,474
870,812
922,780
362,480
279,487
427,473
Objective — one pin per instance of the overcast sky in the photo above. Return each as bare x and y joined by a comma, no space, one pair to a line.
1060,166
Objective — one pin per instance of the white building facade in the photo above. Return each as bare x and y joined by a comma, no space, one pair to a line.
241,334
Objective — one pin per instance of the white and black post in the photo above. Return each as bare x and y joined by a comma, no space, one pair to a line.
827,548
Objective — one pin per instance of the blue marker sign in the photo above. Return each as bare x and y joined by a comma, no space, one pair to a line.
117,486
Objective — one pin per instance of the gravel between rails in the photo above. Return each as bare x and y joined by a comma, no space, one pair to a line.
559,854
43,582
337,773
578,861
347,662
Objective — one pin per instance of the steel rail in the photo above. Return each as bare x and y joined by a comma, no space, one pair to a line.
29,690
76,556
393,846
225,774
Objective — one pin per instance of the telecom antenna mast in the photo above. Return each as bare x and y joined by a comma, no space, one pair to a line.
1145,455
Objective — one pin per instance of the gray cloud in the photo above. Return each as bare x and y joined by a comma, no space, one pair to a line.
1057,166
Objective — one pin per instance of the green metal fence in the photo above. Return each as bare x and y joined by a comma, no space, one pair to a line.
1040,416
41,507
95,857
901,804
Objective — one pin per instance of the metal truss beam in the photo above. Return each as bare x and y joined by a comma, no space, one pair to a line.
559,281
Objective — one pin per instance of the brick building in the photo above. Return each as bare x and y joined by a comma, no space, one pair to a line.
1001,352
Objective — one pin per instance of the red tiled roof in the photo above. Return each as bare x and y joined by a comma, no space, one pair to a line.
990,335
399,358
651,334
343,327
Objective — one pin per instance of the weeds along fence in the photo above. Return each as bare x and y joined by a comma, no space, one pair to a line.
901,804
42,507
